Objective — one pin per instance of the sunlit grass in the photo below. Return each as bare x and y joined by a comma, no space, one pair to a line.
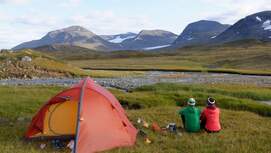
240,59
244,130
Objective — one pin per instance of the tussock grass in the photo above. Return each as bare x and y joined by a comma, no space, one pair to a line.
19,101
234,97
243,131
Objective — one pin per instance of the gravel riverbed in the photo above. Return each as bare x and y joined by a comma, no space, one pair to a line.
153,77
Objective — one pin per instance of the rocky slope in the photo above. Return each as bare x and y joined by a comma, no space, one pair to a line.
30,64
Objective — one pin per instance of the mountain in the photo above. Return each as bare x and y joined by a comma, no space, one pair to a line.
253,27
73,36
81,37
149,39
199,33
118,38
256,26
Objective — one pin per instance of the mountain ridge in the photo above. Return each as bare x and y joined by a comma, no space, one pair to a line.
149,38
199,33
203,32
74,36
255,26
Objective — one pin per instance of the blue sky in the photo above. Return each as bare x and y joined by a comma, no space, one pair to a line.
24,20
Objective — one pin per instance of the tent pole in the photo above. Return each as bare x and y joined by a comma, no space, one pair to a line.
78,115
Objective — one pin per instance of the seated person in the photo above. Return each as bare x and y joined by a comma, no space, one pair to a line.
210,117
190,116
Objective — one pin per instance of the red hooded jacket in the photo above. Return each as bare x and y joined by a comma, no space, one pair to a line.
210,116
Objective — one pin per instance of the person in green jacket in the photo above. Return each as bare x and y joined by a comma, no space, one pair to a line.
191,116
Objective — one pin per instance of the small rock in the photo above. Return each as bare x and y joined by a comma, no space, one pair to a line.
26,59
42,146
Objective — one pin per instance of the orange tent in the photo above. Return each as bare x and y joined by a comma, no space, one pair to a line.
88,113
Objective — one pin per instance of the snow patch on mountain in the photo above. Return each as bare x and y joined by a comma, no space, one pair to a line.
118,39
156,47
258,18
213,37
138,38
267,25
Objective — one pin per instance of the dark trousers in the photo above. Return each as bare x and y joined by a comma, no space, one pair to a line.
202,124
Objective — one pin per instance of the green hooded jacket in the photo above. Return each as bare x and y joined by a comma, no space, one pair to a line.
191,118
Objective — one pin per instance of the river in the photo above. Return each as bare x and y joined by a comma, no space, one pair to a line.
153,77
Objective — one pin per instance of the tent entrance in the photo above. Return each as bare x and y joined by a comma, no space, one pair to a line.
60,119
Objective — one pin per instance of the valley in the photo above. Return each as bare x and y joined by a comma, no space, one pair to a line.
248,57
152,73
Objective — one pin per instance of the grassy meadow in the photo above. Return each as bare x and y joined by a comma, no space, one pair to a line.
246,122
43,65
242,58
251,58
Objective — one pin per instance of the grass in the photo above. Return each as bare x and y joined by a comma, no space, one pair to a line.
77,72
43,65
26,102
234,97
230,58
245,130
242,132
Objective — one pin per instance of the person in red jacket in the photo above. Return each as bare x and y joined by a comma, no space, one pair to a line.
210,117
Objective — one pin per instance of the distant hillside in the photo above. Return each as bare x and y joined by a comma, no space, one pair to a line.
72,36
245,57
199,33
69,52
29,64
256,26
66,52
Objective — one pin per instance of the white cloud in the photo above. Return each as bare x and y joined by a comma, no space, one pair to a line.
20,26
71,3
107,22
16,29
34,25
14,1
233,10
35,19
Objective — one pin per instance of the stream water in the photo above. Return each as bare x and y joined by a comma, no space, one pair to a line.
152,78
